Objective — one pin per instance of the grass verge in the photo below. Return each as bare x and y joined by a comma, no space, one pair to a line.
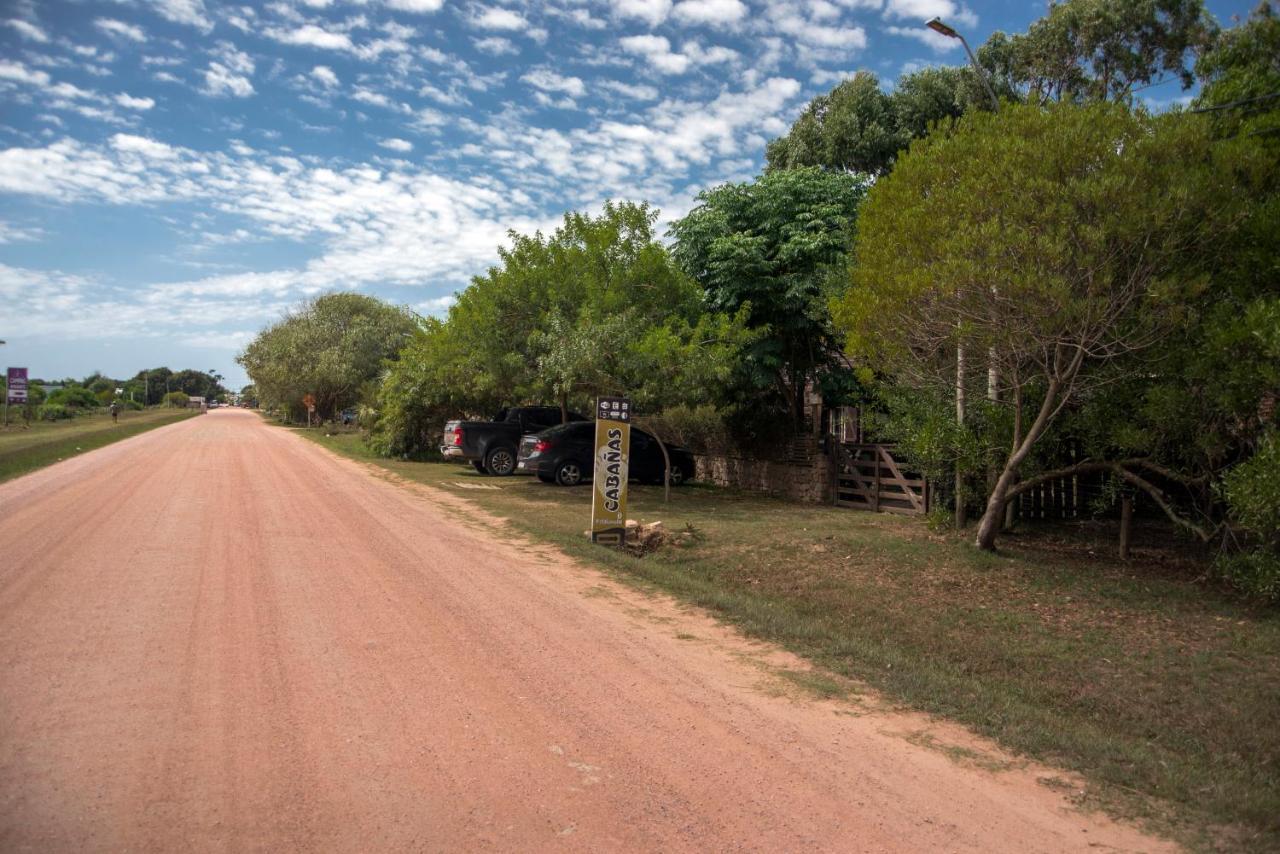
25,449
1164,695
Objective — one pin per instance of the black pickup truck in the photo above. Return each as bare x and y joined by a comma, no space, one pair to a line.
491,445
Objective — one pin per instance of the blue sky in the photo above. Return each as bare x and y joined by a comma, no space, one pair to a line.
174,174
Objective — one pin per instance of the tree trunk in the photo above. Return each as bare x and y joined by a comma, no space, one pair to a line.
960,519
993,516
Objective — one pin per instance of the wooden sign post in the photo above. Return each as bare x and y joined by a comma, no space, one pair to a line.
309,401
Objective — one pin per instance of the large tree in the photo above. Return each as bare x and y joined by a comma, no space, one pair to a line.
1097,50
328,347
775,247
597,306
1060,241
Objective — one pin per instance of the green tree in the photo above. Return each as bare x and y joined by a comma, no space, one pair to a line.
598,305
1061,241
328,347
775,249
1094,50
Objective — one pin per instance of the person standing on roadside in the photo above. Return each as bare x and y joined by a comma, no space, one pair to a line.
115,413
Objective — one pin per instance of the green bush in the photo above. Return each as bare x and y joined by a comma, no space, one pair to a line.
1252,493
73,397
54,412
701,429
1255,573
175,399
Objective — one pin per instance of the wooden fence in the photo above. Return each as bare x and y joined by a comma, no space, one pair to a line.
867,477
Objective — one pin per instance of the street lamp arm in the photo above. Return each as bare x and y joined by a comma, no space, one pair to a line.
942,29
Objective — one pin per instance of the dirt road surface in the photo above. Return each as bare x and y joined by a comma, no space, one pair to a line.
217,636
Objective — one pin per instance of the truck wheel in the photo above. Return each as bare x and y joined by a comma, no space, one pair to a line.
478,466
501,461
568,473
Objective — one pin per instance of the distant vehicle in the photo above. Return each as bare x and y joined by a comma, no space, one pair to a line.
491,446
565,455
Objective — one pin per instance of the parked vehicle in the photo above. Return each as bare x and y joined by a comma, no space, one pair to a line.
565,455
491,446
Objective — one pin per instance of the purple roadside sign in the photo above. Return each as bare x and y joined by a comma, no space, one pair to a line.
17,386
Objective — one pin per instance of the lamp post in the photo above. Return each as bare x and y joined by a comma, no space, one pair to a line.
942,29
993,379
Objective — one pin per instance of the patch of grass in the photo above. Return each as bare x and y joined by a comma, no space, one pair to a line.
25,449
1163,694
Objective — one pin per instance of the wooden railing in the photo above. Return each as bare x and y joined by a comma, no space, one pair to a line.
867,477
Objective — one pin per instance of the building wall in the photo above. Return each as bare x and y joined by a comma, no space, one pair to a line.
801,472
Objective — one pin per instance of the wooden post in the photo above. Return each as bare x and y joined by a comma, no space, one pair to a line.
1126,524
875,496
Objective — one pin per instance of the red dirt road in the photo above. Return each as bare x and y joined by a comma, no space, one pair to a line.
218,636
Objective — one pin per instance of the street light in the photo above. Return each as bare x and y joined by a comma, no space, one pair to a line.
942,29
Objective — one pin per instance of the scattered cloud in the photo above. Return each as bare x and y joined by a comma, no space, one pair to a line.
28,30
496,46
120,29
716,13
129,102
401,145
652,12
324,75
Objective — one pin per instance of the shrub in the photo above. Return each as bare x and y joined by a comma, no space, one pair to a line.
1252,493
701,429
54,412
1254,573
175,399
74,397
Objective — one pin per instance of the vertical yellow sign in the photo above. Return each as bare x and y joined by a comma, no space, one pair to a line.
612,461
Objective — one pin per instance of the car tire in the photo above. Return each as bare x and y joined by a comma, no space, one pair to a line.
676,476
569,473
500,461
479,466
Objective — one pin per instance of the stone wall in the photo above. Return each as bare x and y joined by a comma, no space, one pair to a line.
801,472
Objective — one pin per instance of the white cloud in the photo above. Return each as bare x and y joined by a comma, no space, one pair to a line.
415,5
713,12
938,42
949,11
189,12
128,101
325,76
657,50
825,77
652,12
401,145
19,73
141,145
799,23
549,81
28,30
10,233
635,91
498,18
220,80
495,46
309,35
120,29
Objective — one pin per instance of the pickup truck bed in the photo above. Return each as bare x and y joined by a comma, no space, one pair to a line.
491,446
